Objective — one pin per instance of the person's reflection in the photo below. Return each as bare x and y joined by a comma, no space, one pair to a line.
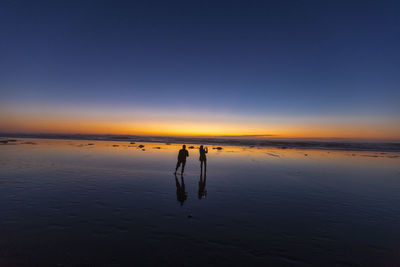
181,195
202,181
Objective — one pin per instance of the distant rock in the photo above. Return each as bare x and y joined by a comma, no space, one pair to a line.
4,142
115,145
370,156
157,147
141,146
167,144
132,143
217,148
29,143
191,147
306,155
91,144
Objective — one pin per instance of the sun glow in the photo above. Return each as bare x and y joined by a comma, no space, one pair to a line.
193,125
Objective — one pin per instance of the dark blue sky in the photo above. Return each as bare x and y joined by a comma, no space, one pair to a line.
244,57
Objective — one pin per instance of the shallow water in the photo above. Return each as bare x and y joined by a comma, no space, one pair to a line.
68,203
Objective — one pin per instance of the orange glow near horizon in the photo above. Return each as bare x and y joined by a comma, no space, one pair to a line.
39,123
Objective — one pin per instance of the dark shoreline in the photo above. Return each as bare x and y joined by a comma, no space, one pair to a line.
221,141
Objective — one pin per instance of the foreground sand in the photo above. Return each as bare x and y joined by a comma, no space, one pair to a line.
115,203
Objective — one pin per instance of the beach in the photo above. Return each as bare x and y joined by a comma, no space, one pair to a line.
115,203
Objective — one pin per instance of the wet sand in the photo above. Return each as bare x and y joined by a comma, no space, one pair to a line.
69,203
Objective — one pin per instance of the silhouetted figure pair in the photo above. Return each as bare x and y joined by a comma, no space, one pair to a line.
183,154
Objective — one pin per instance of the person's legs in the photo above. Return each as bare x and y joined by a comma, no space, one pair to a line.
177,165
183,165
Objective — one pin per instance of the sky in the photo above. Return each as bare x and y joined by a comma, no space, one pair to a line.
290,69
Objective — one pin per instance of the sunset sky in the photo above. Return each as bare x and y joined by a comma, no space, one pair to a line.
291,69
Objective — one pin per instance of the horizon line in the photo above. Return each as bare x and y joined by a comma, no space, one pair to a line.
244,136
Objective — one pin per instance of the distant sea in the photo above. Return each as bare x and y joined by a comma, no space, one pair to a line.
250,141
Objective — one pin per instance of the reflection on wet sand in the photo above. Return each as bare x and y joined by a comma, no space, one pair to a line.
202,181
181,195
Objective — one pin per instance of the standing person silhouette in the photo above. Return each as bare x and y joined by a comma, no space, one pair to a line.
183,154
203,158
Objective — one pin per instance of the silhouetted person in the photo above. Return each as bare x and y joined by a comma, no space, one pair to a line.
202,182
181,195
203,158
183,154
